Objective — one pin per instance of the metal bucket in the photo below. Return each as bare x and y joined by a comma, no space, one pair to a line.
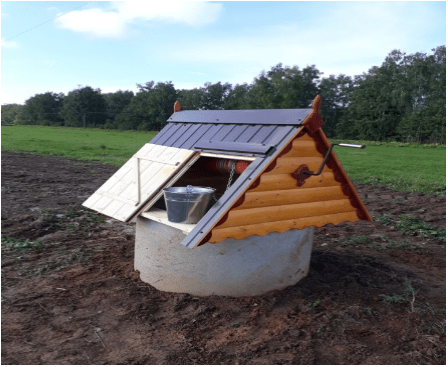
187,204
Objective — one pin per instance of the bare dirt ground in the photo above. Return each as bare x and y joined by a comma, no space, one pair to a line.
70,295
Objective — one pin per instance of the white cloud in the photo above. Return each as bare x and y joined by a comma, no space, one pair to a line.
114,23
350,40
96,22
9,44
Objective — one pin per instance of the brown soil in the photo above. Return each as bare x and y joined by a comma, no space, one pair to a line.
76,299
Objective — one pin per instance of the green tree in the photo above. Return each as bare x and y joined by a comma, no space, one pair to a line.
237,98
41,109
84,107
10,112
116,103
214,95
375,105
402,99
335,93
190,99
284,87
150,108
426,95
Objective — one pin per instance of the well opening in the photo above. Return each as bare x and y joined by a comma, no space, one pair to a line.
206,171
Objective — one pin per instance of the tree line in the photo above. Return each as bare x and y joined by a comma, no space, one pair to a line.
404,99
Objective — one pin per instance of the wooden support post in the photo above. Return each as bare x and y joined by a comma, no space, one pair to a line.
137,180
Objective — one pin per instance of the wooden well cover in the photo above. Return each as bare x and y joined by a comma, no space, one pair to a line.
140,178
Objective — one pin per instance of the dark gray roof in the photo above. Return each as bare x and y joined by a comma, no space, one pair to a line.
197,136
254,132
252,117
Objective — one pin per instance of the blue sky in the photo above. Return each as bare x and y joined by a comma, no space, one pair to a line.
114,45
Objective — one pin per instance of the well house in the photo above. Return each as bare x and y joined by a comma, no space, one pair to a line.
257,236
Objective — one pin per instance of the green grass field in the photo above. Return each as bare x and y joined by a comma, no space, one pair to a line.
399,166
107,146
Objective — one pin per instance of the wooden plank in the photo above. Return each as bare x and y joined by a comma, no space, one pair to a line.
294,196
116,197
262,229
161,216
290,164
92,200
137,178
114,207
101,204
285,212
123,213
284,181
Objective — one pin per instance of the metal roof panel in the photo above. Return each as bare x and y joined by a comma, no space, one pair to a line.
188,135
252,117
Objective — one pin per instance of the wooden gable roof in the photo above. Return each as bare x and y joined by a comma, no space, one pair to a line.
268,198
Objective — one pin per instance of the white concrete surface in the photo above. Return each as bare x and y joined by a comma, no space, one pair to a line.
248,267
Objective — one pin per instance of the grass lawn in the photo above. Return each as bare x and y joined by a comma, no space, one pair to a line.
421,169
107,146
399,166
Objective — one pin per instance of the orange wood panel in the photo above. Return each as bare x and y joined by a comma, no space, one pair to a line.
285,212
355,195
220,234
305,141
290,164
302,152
305,137
295,196
285,181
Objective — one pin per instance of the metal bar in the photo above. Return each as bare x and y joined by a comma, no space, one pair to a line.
328,155
155,160
251,117
228,146
227,156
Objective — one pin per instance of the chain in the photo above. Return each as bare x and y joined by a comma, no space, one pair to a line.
229,183
232,171
214,197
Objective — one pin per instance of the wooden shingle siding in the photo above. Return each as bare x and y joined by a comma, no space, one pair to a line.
255,199
262,229
275,203
137,180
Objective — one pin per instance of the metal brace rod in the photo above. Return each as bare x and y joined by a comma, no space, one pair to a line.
328,155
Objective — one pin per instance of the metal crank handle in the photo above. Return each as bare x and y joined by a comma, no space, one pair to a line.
328,154
351,145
